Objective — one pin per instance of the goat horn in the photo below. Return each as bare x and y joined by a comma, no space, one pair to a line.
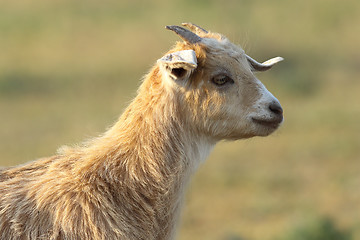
195,28
256,66
185,34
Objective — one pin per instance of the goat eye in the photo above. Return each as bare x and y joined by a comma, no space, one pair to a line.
221,80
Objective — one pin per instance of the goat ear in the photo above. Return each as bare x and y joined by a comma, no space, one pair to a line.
179,65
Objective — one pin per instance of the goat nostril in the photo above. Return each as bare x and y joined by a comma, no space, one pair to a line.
276,108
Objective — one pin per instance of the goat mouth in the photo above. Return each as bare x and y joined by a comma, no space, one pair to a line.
270,123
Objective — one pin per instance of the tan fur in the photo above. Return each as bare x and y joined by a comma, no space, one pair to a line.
129,182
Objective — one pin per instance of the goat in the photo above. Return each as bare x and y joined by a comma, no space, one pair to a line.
129,182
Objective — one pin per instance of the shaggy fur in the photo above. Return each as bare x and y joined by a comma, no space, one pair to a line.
129,182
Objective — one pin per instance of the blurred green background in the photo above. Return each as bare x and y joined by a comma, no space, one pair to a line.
69,68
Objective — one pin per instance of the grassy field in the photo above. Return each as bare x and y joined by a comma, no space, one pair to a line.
68,69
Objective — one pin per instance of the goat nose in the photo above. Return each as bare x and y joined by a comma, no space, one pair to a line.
276,108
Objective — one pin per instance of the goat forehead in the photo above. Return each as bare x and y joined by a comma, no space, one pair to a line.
224,46
224,53
231,59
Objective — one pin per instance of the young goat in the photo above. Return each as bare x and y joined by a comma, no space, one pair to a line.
129,183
